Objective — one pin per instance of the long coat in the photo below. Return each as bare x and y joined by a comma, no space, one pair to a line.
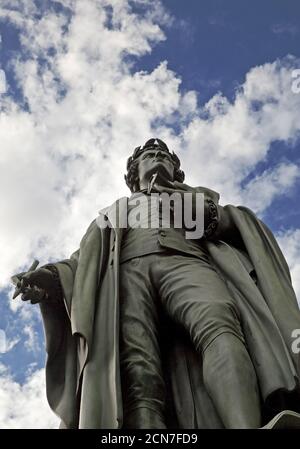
82,335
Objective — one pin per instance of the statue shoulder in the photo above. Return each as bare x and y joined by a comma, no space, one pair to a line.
92,229
211,194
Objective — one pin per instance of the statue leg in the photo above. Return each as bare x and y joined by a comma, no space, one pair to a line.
143,385
195,296
230,379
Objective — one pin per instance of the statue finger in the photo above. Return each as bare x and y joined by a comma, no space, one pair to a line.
28,278
38,294
27,294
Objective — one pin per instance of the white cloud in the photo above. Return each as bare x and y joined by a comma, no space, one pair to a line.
32,341
290,245
10,344
63,158
226,145
25,406
7,344
285,28
2,341
260,191
2,81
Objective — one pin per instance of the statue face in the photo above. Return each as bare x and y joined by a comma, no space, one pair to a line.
156,160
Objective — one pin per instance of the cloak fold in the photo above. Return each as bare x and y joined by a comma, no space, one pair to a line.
82,336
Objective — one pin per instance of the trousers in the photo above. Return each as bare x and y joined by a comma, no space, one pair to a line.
192,294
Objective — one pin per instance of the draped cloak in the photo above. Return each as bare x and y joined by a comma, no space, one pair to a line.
83,380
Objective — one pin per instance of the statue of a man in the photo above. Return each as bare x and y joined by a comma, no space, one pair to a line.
146,328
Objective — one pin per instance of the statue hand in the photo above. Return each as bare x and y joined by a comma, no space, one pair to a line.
171,187
174,186
37,286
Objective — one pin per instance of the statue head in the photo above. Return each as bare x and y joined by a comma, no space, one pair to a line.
153,156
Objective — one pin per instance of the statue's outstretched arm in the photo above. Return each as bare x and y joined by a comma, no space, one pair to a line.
38,285
43,285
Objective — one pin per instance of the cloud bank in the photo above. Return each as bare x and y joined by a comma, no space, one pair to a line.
25,407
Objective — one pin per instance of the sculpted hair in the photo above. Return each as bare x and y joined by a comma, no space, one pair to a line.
132,177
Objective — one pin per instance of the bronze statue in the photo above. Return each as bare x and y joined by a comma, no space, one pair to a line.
148,329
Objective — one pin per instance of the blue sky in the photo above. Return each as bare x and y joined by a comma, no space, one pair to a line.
212,45
88,79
